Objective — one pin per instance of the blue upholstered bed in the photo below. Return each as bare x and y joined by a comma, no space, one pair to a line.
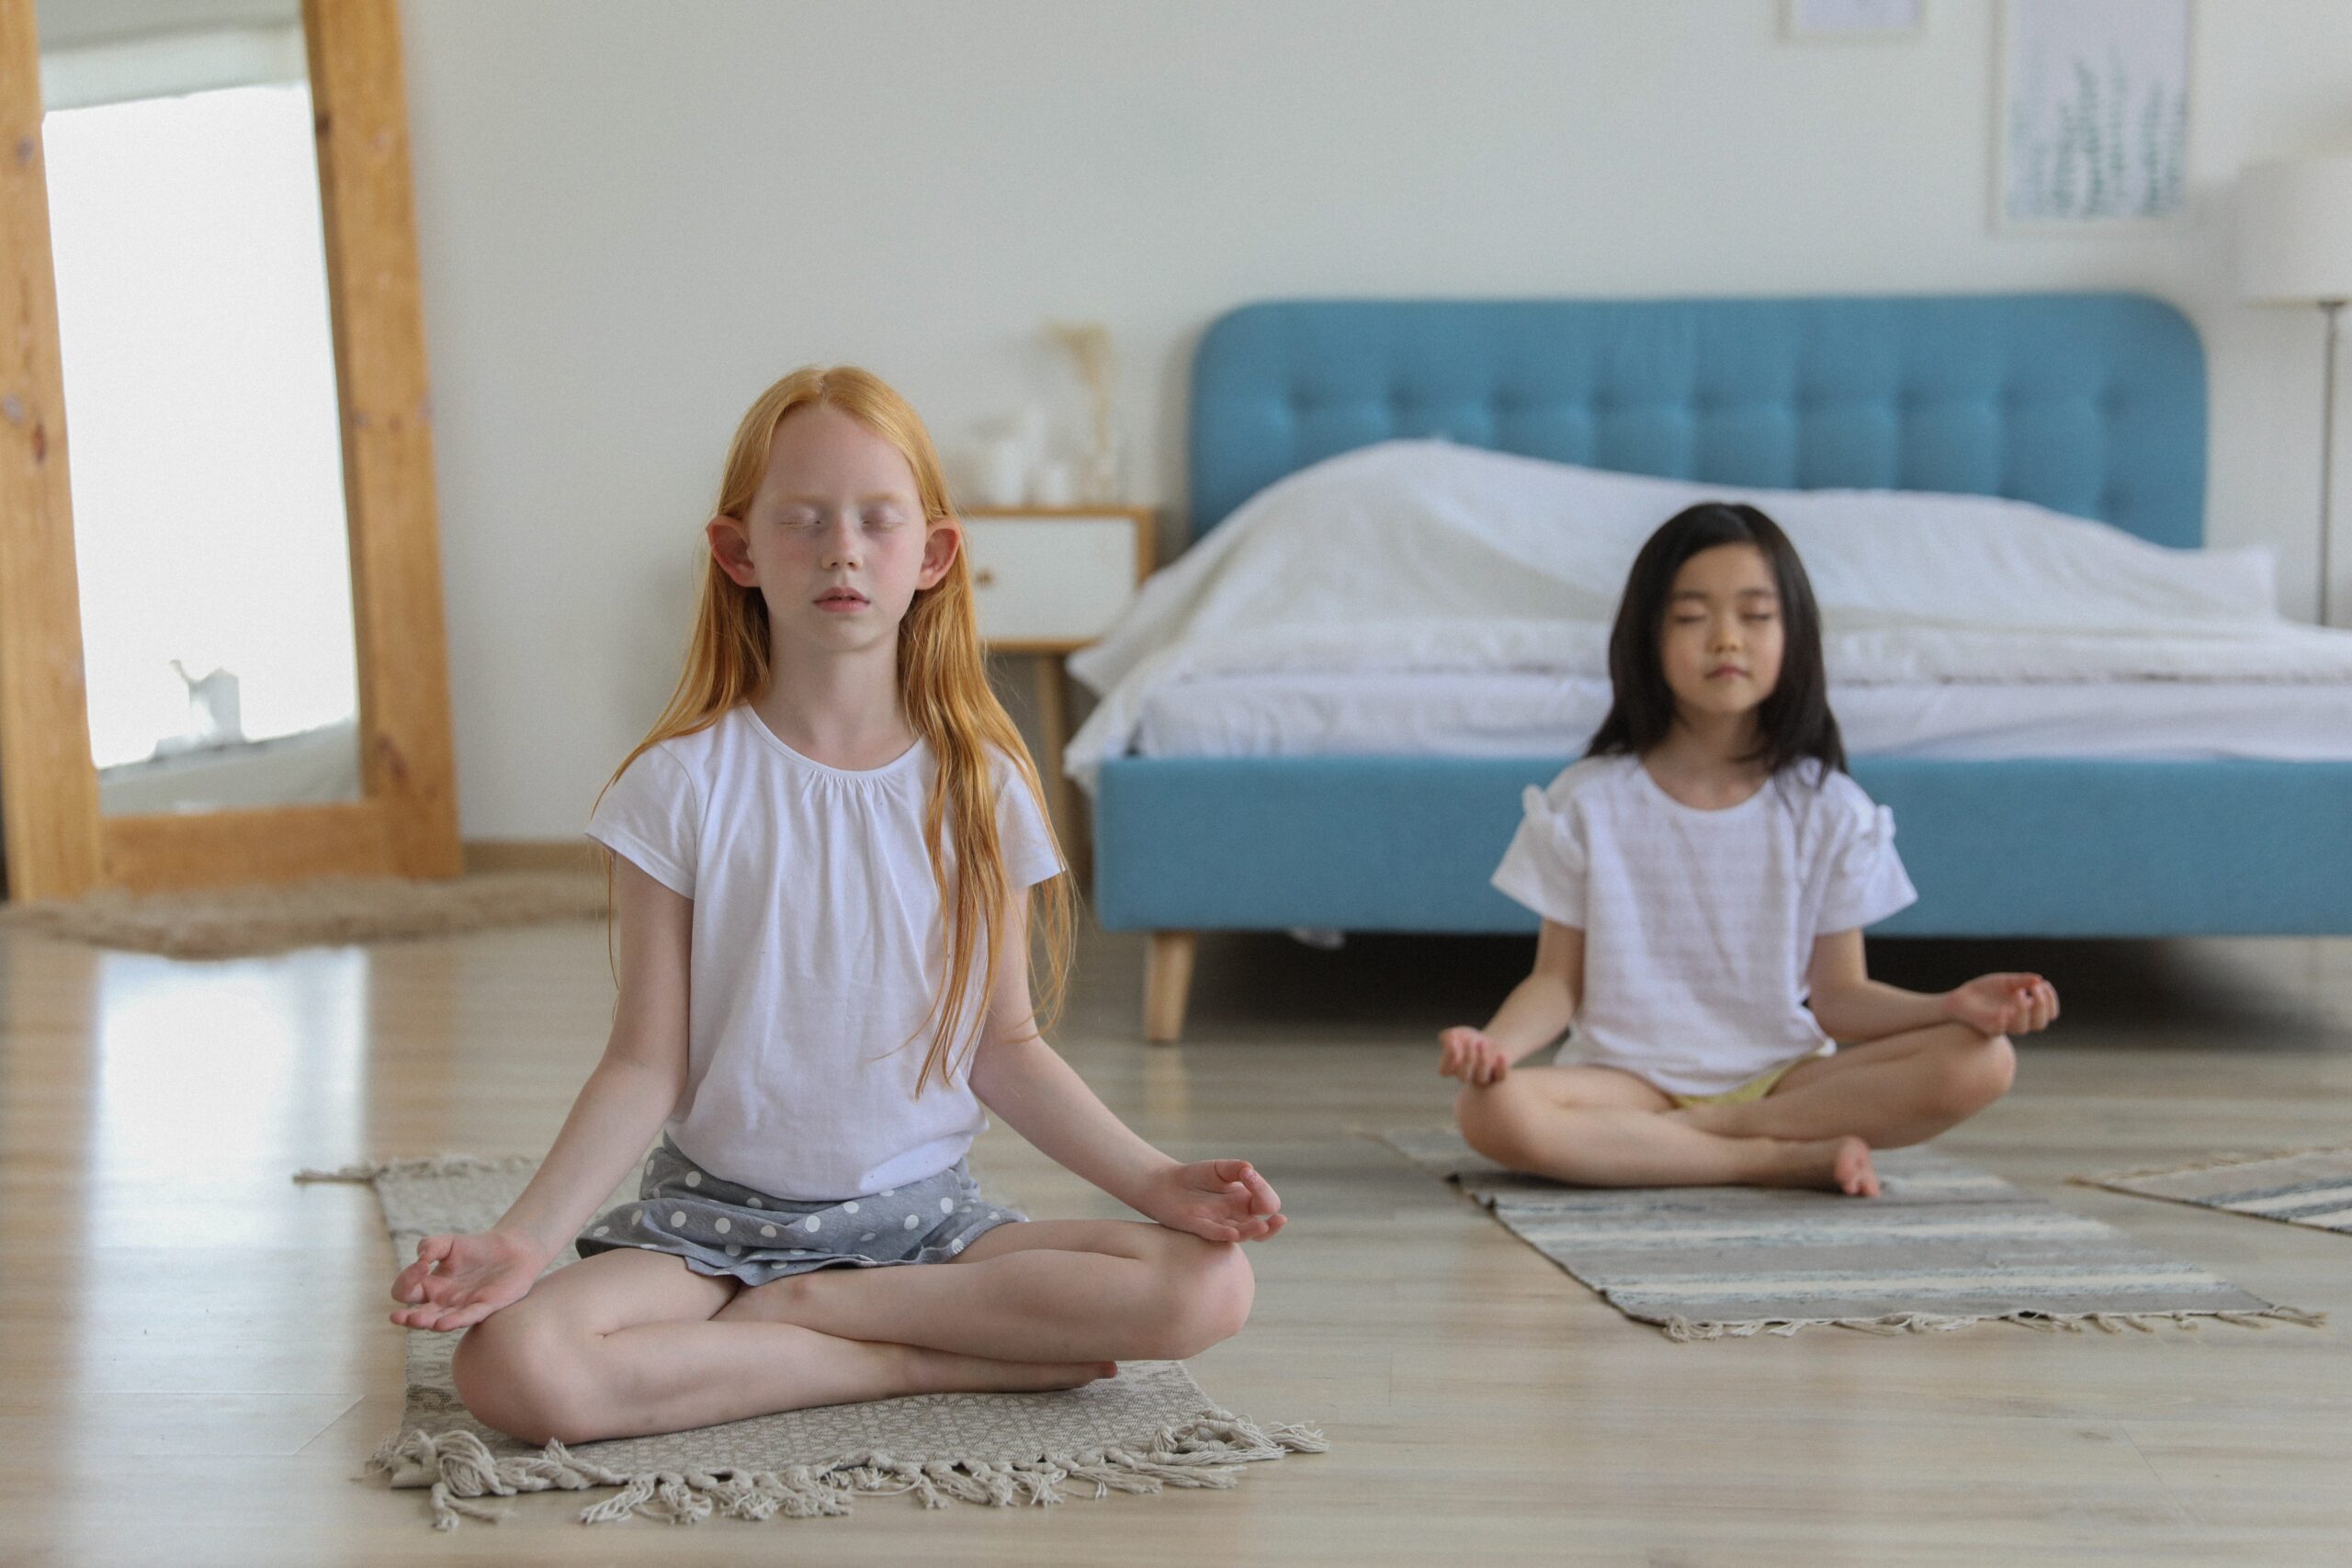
2092,405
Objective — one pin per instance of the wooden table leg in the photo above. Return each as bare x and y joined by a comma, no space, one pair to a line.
1061,795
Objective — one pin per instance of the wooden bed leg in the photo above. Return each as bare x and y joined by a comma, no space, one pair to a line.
1167,982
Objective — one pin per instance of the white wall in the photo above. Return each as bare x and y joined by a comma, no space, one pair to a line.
633,216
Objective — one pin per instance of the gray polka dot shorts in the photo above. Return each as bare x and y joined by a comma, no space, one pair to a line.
723,1230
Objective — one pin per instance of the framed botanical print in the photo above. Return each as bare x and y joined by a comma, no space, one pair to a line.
2093,117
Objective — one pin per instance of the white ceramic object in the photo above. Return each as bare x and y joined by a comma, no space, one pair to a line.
1053,484
1003,466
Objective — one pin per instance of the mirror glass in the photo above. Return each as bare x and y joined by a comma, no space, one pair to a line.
202,427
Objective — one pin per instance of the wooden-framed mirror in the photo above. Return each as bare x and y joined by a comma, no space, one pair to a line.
347,769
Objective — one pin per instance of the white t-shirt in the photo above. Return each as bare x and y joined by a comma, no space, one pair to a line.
818,950
1699,925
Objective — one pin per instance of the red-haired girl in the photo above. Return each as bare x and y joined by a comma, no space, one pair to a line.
828,856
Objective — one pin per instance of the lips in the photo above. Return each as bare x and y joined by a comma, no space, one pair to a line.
842,599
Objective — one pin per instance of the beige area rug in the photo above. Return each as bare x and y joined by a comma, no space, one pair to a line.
245,921
2297,1187
1149,1427
1944,1247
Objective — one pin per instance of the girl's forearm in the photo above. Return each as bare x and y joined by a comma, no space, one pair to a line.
1873,1009
1042,1097
620,1108
1538,1010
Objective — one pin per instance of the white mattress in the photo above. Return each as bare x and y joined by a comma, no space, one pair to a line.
1526,715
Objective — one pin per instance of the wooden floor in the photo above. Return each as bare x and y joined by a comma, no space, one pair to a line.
197,1361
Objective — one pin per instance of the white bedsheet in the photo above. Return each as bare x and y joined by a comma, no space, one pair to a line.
1524,713
1417,559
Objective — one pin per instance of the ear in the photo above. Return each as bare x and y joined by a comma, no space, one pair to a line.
941,545
730,544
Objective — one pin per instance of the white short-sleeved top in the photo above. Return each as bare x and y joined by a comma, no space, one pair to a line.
1699,925
818,951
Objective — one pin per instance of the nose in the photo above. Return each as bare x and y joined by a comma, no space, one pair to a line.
842,542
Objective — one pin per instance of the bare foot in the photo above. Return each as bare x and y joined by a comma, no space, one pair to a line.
1857,1177
943,1371
1835,1165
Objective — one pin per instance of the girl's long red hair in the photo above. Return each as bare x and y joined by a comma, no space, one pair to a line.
943,688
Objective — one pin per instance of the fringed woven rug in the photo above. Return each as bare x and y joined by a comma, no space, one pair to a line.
1944,1247
245,921
1149,1427
2300,1187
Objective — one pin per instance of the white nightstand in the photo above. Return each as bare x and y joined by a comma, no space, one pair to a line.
1050,580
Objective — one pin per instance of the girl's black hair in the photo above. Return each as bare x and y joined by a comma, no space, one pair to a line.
1794,722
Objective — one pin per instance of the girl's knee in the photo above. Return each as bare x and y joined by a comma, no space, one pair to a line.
521,1374
1208,1295
1492,1120
1976,1073
2000,1067
1223,1289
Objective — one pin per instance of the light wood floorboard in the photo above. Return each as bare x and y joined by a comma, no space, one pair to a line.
197,1361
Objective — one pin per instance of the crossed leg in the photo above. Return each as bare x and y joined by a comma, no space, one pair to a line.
1900,1090
629,1342
1600,1127
1043,1290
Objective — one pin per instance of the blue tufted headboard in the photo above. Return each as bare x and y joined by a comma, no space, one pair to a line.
2092,405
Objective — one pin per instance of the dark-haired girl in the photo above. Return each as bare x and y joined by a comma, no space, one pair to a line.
1704,875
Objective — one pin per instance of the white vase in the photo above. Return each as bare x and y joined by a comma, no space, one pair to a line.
1053,484
1100,478
1005,465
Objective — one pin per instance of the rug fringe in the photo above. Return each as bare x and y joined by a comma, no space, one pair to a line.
422,1165
1206,1451
2211,1162
1683,1330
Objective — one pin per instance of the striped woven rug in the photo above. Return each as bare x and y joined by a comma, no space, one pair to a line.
1947,1246
2306,1187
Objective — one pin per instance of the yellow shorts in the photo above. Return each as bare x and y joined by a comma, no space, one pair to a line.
1756,1088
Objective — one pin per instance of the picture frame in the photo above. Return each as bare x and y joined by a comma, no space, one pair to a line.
2091,115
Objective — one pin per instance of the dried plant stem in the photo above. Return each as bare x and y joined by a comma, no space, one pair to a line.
1088,346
